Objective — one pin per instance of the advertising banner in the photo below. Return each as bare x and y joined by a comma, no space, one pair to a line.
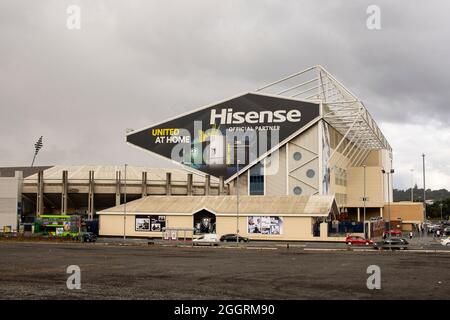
150,223
265,225
326,153
237,131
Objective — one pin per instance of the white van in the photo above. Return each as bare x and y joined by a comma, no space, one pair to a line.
210,239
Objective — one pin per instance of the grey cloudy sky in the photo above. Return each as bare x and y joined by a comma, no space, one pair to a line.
134,63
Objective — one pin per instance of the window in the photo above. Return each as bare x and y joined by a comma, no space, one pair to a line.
297,156
297,191
257,180
341,177
341,199
310,173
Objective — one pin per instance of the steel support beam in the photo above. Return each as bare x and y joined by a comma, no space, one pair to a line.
168,183
64,192
91,196
189,184
118,184
40,194
144,184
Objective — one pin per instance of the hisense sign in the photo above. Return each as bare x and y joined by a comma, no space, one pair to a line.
217,139
227,116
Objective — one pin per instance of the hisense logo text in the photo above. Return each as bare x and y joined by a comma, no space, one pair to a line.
227,116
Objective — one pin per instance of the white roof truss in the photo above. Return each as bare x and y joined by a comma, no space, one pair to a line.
343,110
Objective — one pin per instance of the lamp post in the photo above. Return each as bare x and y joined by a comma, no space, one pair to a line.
237,203
440,205
424,200
37,146
237,145
390,172
364,201
125,206
412,185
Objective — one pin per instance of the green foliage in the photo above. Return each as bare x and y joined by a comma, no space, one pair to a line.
441,196
436,195
434,210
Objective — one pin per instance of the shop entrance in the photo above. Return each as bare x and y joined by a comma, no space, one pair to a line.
204,222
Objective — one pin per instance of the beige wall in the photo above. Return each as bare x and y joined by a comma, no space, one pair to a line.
406,211
112,225
373,159
290,173
307,144
294,228
374,187
276,174
243,184
9,197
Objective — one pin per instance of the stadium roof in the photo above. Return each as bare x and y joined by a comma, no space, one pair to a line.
343,110
316,205
103,173
27,171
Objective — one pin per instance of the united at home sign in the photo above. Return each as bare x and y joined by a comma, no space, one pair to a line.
231,134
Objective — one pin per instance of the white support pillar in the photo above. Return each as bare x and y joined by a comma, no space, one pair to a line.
64,192
207,184
168,184
221,185
40,194
118,183
189,184
91,196
144,184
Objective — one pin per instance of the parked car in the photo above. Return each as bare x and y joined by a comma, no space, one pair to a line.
394,232
358,241
446,242
88,237
232,237
392,244
434,227
206,239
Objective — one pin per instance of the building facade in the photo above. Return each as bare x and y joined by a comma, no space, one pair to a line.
302,136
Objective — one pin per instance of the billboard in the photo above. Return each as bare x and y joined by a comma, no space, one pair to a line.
265,225
326,153
151,223
227,136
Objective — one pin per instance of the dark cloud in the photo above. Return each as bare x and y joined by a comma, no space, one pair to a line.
135,63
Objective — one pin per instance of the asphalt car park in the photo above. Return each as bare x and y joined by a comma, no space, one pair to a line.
112,271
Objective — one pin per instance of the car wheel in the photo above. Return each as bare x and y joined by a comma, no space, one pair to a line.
448,244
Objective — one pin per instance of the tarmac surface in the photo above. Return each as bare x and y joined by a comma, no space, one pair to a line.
113,271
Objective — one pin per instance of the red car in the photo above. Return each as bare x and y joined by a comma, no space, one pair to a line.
394,232
358,241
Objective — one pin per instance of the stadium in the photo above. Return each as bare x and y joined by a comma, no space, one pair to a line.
300,158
